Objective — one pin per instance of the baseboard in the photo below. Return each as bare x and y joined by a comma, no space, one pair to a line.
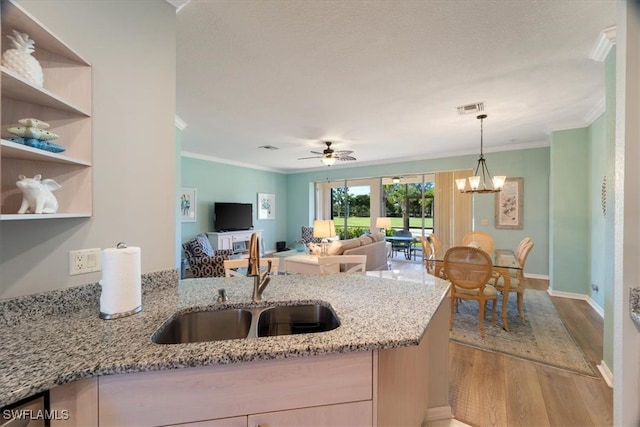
537,276
439,413
606,373
583,297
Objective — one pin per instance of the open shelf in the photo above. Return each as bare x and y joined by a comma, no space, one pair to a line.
65,102
13,150
15,87
14,217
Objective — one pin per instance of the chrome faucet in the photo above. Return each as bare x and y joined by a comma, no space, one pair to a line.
253,269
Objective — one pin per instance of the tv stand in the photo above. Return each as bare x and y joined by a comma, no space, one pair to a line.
237,241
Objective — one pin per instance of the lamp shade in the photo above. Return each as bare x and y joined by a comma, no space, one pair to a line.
383,222
324,228
328,160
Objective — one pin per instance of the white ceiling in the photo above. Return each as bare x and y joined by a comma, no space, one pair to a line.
383,78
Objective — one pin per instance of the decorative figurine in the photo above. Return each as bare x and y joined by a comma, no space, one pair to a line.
34,133
37,196
19,58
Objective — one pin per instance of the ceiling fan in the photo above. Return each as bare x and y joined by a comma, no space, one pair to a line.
329,156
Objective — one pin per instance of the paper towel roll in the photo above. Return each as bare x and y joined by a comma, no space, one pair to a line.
121,284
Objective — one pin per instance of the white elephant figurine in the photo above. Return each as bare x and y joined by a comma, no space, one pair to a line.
37,196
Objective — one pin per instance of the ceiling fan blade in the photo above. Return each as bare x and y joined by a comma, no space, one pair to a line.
316,152
343,152
346,158
312,157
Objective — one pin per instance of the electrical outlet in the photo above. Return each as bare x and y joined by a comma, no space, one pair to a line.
84,261
595,287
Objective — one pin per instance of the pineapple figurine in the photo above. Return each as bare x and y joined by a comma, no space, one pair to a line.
19,58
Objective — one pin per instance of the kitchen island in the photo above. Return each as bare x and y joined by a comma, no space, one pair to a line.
388,358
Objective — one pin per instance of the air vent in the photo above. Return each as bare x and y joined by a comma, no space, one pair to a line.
477,107
269,147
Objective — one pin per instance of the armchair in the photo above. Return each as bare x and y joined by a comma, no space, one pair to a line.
204,261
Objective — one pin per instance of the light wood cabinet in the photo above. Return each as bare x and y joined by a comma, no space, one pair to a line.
235,390
64,102
386,387
355,414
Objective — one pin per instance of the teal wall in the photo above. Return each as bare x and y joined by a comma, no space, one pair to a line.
569,211
294,195
218,182
531,164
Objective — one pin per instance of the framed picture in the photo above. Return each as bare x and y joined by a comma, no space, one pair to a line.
188,203
266,206
509,205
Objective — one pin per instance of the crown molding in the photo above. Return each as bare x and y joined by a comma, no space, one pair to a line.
596,111
180,124
178,4
606,40
208,158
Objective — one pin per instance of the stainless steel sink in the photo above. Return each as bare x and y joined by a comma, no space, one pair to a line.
202,326
296,319
239,323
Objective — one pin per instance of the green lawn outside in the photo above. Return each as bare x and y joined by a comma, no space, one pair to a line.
365,222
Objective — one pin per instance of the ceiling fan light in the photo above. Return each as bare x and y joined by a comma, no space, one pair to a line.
461,183
474,182
328,160
498,182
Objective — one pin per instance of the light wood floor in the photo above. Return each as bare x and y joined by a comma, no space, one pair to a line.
491,389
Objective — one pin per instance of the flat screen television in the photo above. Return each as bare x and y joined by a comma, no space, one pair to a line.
233,216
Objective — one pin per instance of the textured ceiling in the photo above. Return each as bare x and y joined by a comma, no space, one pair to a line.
383,79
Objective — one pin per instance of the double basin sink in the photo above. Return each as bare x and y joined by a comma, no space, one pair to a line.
239,323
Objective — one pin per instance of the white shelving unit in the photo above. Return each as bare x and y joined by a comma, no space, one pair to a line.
64,102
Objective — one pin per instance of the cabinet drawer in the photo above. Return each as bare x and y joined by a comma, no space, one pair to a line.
192,394
356,414
241,237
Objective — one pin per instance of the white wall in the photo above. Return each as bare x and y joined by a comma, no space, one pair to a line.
131,46
626,353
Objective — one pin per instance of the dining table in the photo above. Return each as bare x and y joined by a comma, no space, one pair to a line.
402,242
504,261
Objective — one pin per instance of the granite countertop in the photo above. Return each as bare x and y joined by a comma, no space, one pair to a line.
54,338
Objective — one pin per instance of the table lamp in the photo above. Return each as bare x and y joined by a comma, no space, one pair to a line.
324,229
383,222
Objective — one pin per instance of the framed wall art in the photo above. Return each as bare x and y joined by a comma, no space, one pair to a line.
509,205
188,203
266,206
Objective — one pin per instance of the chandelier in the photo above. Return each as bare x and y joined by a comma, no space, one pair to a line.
481,182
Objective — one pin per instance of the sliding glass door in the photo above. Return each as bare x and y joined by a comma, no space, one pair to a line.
409,202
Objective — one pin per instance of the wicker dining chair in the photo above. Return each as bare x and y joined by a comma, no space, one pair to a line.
484,240
469,270
516,278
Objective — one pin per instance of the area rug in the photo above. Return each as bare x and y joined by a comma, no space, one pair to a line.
543,339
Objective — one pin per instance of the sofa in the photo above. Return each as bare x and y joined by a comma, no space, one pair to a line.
374,246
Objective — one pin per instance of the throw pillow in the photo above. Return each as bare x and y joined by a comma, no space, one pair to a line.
307,235
205,244
338,247
366,239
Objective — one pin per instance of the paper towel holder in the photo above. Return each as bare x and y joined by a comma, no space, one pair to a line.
111,316
106,316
